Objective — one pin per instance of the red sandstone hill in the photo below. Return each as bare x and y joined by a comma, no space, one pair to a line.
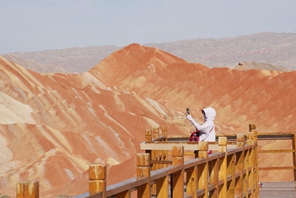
52,126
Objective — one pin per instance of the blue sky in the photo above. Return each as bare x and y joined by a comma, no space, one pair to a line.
32,25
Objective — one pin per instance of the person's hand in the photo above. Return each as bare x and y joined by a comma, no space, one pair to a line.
188,116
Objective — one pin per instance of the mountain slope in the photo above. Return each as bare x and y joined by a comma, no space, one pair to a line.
179,84
60,123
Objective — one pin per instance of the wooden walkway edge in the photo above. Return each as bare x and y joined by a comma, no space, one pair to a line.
278,190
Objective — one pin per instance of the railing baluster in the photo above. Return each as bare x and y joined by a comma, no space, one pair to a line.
240,165
251,165
191,181
231,174
222,141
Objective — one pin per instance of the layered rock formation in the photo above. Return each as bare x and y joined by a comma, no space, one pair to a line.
52,126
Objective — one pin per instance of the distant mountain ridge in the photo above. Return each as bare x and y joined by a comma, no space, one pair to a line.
278,49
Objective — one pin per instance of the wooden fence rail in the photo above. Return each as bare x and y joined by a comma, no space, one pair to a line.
230,171
225,173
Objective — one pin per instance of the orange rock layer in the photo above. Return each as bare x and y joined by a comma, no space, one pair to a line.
52,126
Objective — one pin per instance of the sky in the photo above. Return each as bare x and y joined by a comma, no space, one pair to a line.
32,25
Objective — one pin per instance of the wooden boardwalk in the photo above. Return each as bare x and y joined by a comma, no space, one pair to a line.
278,190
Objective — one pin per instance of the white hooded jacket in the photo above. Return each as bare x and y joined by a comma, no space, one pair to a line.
207,129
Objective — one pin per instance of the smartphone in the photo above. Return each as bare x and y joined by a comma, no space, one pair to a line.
188,111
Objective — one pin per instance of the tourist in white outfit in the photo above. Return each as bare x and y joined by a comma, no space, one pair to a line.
205,131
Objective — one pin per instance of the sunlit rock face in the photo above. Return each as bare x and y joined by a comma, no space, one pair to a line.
52,126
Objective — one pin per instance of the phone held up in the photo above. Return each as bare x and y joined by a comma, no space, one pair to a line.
188,111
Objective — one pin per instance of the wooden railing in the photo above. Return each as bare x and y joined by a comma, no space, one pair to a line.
164,170
284,139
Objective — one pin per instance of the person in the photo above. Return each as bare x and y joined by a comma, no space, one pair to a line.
205,131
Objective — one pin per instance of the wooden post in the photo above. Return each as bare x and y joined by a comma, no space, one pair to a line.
203,169
155,133
27,189
155,156
148,135
97,179
164,131
246,177
178,177
143,170
222,141
252,128
239,167
250,138
294,154
251,164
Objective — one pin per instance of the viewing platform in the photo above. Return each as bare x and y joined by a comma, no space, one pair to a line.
171,166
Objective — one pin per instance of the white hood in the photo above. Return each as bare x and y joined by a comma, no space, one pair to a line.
210,114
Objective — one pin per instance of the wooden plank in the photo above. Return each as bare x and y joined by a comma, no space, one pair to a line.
162,187
168,146
278,190
246,173
276,151
125,185
200,192
239,166
214,177
280,134
294,154
277,168
191,181
156,174
231,173
194,162
160,162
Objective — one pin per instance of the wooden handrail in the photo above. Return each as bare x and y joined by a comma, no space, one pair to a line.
204,176
231,171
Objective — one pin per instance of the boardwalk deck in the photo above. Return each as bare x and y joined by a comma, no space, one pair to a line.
278,190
